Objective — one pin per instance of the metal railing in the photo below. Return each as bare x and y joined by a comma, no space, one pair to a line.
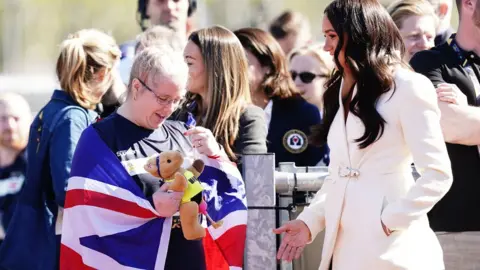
275,196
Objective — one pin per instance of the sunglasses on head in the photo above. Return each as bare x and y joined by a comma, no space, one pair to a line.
306,77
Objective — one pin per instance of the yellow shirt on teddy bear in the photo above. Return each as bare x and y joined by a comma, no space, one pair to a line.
193,187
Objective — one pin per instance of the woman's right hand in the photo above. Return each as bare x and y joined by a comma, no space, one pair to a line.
296,237
166,203
203,140
450,93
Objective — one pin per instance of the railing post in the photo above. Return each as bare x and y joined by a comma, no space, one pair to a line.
258,172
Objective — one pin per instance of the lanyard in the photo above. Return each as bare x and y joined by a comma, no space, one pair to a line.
466,63
459,52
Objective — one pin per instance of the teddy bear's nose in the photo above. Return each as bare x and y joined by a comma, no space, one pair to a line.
169,161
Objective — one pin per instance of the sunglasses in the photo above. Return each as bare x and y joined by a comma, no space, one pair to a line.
306,77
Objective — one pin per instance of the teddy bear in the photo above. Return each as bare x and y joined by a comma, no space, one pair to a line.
168,166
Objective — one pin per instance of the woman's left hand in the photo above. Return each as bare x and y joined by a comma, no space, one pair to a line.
203,140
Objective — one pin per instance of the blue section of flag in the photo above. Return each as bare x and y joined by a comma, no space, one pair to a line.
111,170
136,248
223,198
223,193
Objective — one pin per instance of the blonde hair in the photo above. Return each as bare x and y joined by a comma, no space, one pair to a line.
315,50
227,84
402,9
82,55
160,35
163,61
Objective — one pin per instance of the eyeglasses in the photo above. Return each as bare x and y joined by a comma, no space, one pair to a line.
161,100
306,77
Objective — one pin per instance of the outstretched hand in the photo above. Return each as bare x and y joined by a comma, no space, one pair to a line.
296,237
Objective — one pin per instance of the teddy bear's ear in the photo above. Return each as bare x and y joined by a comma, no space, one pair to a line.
198,165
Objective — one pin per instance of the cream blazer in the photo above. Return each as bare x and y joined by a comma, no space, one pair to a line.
367,186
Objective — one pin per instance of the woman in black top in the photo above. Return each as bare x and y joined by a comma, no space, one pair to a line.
218,97
139,129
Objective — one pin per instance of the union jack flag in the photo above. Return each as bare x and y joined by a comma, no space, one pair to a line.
224,192
109,224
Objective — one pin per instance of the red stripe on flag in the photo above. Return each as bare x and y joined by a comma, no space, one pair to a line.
77,197
213,255
232,244
71,260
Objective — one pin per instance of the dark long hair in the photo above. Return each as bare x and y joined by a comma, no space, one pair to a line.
373,46
277,82
226,68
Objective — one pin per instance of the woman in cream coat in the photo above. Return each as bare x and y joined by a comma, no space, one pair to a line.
379,118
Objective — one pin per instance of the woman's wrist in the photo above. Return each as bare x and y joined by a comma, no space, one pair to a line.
219,153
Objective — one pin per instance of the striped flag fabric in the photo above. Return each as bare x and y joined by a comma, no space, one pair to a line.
224,192
109,224
107,221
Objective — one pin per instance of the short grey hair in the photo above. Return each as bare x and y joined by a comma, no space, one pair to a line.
160,35
159,62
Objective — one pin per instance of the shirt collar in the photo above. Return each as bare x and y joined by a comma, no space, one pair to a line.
465,57
63,96
268,108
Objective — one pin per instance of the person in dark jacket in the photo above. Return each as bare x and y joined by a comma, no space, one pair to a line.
454,69
289,117
85,69
311,67
15,119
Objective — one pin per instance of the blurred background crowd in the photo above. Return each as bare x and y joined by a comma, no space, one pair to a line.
285,69
31,30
